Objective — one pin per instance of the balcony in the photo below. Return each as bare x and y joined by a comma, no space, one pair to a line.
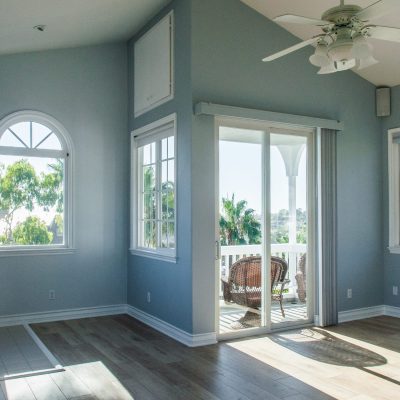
231,315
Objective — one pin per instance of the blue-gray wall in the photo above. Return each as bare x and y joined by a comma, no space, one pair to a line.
228,42
218,51
86,90
392,261
170,284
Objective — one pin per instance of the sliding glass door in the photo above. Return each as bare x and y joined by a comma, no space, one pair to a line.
240,223
289,228
263,228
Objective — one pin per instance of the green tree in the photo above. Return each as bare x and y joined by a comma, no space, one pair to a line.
150,206
238,224
21,188
32,231
51,191
280,226
301,226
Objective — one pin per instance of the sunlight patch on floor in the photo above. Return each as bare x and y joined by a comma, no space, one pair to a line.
76,381
333,363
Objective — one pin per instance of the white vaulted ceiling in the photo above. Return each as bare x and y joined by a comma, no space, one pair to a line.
70,23
386,73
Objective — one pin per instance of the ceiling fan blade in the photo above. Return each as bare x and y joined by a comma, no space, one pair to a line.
298,19
291,49
384,33
377,9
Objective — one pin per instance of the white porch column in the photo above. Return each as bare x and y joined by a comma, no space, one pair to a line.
291,155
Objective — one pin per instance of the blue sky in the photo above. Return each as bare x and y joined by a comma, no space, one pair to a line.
240,173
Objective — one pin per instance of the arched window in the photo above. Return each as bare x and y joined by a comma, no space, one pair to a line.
35,183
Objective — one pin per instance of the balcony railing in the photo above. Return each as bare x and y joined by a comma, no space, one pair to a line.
289,252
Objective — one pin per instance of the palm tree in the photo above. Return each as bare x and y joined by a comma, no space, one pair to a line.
238,224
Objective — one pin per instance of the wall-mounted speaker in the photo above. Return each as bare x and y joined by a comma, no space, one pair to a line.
383,102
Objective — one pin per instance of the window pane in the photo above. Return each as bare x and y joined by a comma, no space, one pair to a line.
23,131
149,154
8,139
50,142
150,234
149,178
164,149
171,171
164,235
164,173
149,206
171,235
31,201
171,205
164,205
171,149
39,133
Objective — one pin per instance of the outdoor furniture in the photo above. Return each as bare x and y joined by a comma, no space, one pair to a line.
301,279
243,286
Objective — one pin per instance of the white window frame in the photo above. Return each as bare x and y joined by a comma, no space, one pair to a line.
147,131
394,191
67,153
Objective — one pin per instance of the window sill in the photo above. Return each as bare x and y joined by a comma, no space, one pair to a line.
41,251
153,255
394,249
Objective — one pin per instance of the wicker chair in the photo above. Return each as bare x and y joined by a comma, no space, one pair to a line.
244,282
301,279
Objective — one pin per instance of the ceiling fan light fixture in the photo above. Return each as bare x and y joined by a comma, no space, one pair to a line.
344,42
343,65
368,62
328,69
341,50
361,48
320,57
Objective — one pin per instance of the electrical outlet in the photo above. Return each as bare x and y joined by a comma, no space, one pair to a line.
52,294
395,290
349,293
148,297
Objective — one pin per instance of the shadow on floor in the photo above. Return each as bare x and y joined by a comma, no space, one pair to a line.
152,366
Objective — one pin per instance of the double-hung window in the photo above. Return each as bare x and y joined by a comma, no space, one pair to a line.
154,190
394,189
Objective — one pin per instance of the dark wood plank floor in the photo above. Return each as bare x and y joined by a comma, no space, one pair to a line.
119,358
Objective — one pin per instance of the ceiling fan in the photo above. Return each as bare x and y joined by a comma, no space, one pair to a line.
343,43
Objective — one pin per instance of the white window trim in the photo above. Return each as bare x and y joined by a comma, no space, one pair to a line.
64,137
157,254
394,195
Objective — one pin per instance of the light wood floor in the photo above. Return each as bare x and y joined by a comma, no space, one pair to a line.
120,358
19,354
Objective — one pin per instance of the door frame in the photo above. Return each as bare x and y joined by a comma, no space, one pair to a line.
312,220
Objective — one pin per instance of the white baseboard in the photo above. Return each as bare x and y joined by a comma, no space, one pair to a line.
361,313
392,311
369,312
60,315
191,340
